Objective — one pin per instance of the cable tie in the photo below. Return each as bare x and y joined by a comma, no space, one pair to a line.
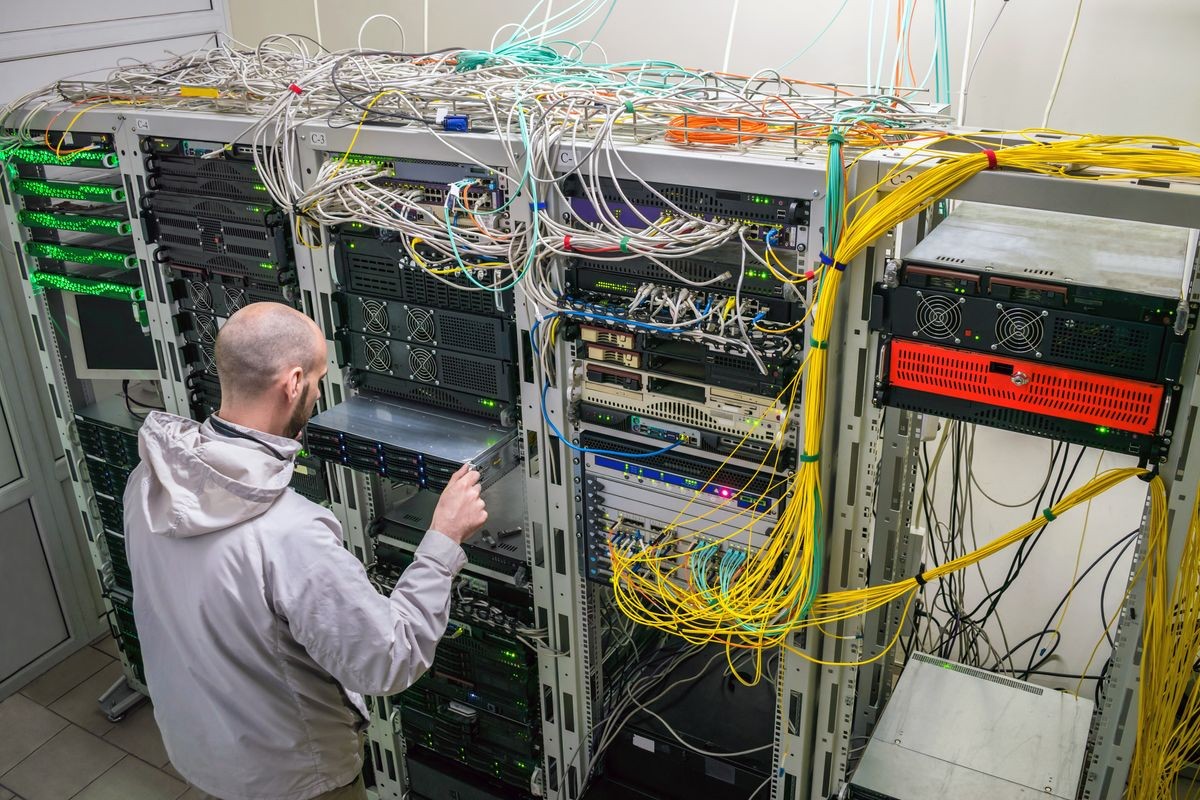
820,345
1049,515
625,244
991,157
566,243
540,205
629,106
829,262
835,137
920,579
807,458
296,89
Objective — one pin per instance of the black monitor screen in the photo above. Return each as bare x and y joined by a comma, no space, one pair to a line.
111,335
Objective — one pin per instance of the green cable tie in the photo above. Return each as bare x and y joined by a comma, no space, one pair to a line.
821,345
629,106
625,244
806,458
1049,515
835,137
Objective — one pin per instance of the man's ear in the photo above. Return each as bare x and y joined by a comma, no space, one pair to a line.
294,385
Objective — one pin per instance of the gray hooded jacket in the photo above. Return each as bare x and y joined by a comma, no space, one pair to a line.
257,627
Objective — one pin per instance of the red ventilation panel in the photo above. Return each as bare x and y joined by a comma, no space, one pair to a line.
1118,403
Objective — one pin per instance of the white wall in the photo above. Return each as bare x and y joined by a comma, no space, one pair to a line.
1133,69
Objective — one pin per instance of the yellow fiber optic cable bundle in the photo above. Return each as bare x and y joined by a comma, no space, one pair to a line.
771,594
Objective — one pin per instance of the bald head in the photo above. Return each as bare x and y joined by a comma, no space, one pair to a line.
261,344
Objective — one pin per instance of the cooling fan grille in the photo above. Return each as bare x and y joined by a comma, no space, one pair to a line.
422,364
200,295
375,316
421,326
1019,330
938,317
235,298
379,355
206,328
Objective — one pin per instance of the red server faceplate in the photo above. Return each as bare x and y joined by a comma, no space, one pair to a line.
1117,403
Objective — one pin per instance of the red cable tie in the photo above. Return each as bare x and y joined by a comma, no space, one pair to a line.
566,243
296,89
991,157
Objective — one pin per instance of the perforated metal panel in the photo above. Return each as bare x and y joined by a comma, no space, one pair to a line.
1026,386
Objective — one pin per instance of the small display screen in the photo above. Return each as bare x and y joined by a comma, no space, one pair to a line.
111,335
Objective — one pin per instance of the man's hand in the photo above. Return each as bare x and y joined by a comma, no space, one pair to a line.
460,510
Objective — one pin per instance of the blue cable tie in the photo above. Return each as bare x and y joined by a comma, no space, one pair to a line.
829,262
538,206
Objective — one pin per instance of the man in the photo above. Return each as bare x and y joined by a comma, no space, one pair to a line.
258,629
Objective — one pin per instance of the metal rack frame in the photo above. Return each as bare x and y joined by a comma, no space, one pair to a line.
871,480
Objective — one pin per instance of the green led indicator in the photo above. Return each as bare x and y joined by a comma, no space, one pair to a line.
612,286
81,223
96,288
97,159
81,255
266,265
260,187
304,453
487,403
96,193
1100,429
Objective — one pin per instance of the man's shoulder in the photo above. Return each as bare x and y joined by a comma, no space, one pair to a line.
301,518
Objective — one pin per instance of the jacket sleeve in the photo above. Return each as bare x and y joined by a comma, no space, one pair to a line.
370,643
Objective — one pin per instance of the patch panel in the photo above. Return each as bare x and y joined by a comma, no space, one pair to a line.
624,515
682,474
628,199
620,277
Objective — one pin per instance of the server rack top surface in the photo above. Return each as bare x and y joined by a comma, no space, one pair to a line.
418,430
1013,740
1135,257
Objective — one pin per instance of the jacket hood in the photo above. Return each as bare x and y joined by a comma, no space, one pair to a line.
201,480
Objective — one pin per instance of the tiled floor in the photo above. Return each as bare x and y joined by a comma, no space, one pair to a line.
55,744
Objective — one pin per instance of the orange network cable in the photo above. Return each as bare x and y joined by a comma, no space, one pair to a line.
695,129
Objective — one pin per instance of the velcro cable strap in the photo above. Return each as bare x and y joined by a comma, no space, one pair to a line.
829,262
1049,515
991,157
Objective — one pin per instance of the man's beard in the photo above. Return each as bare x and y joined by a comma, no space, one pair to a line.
300,415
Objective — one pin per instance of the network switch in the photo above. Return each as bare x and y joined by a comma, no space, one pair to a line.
631,201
